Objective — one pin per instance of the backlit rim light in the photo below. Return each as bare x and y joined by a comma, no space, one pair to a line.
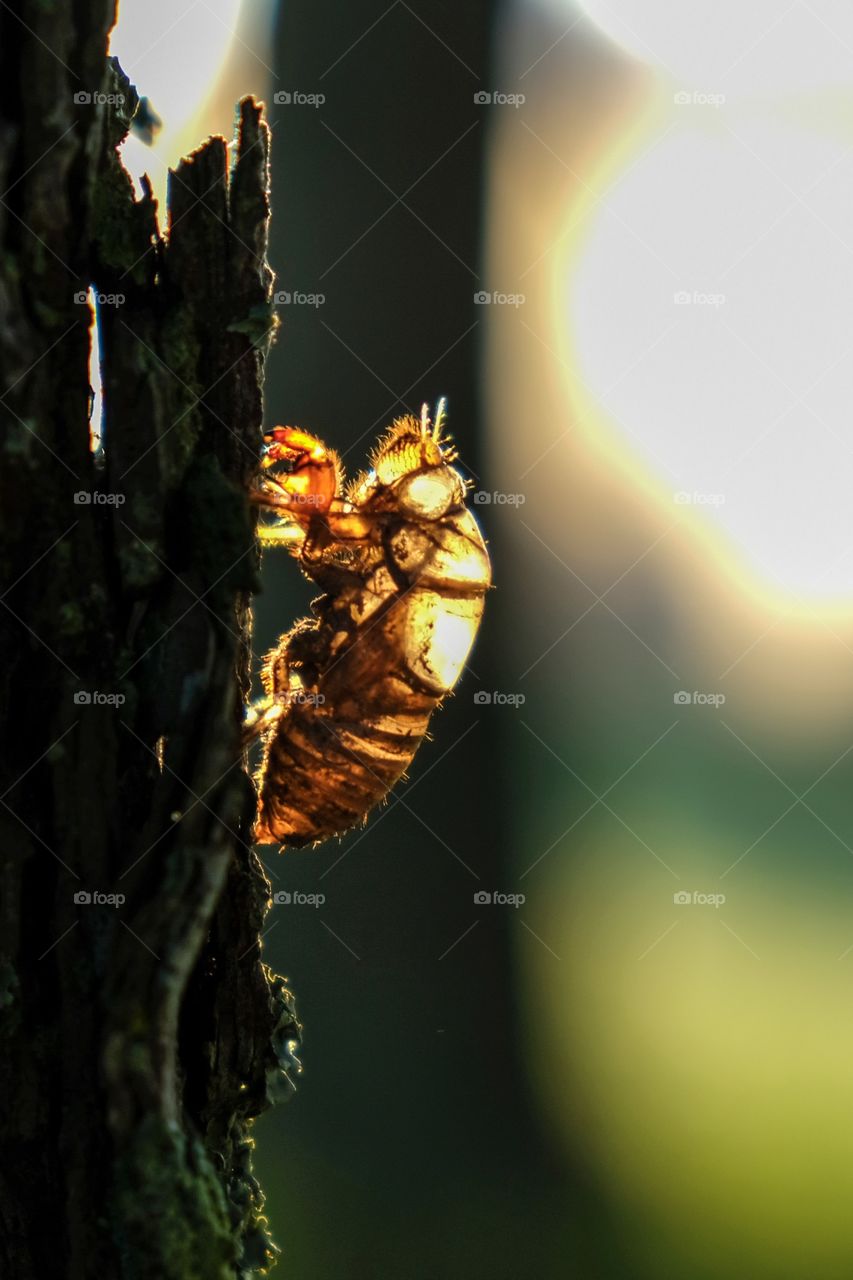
151,41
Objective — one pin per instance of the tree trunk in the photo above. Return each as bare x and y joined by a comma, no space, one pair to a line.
141,1032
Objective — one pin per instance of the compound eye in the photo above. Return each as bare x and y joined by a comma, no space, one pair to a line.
428,494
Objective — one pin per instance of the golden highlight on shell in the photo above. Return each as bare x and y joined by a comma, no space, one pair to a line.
404,570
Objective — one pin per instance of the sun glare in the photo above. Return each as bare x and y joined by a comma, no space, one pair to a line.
153,39
704,302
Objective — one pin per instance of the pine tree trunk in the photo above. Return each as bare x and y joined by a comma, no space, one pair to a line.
140,1032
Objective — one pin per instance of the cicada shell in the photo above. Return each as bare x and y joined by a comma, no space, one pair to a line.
404,571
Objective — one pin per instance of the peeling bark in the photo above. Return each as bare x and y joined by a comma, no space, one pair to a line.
139,1040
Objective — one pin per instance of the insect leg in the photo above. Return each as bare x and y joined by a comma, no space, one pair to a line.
314,475
284,534
354,527
270,493
261,716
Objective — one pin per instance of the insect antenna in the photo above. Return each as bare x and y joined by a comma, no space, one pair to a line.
440,417
432,430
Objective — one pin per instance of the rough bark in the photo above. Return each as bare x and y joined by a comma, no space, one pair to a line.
139,1040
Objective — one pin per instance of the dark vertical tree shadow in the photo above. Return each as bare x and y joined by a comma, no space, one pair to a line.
141,1032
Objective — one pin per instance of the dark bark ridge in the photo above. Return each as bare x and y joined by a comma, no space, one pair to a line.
138,1041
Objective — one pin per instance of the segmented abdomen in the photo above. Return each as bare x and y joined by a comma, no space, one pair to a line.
324,774
340,749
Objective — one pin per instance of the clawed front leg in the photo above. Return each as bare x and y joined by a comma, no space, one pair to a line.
314,474
260,717
292,530
307,497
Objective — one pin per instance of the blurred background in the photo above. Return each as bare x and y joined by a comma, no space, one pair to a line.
619,238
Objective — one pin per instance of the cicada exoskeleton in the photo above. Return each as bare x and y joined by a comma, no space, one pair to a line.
404,572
